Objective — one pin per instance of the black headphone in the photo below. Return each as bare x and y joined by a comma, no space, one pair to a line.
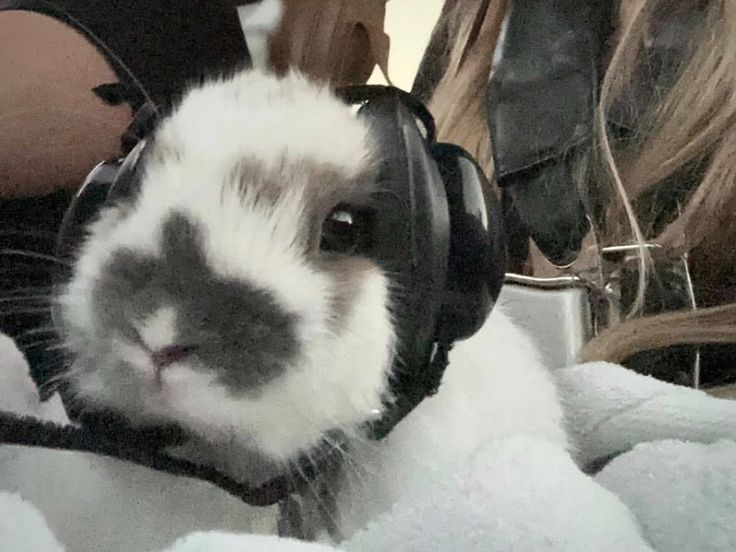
439,231
435,227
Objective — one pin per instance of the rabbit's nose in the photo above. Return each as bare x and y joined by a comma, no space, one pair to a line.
167,356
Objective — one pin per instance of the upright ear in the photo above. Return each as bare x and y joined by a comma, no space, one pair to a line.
477,260
260,19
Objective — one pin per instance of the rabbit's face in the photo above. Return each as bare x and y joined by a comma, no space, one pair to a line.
227,292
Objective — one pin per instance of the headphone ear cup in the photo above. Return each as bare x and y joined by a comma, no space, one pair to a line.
126,182
411,227
108,181
84,206
477,259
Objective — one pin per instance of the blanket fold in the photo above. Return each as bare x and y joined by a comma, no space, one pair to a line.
610,409
683,494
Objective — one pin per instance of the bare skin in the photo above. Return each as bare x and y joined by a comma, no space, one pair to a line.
53,128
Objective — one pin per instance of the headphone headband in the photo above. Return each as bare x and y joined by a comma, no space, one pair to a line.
361,93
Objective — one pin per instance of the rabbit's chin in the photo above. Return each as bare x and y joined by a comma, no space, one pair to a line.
337,387
286,419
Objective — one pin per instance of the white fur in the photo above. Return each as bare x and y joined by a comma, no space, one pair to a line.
496,386
259,21
263,16
254,114
159,329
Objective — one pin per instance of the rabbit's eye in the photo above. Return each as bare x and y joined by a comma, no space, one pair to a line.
345,230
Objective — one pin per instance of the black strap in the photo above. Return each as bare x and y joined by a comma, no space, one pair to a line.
413,392
359,93
142,448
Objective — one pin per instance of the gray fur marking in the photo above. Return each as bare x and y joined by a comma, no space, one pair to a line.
239,331
324,188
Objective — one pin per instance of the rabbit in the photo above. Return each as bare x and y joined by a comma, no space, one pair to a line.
222,292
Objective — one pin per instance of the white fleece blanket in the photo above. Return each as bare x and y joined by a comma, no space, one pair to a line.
503,500
610,409
518,494
683,494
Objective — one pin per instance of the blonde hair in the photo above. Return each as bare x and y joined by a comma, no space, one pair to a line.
458,101
694,121
687,131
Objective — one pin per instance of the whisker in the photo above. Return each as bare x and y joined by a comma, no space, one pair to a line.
11,277
34,331
40,346
364,440
34,255
34,310
327,505
64,374
45,340
351,466
57,347
357,468
25,298
51,384
31,232
326,488
52,371
28,289
314,491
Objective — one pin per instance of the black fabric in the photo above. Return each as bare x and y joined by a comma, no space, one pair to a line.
166,44
540,107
